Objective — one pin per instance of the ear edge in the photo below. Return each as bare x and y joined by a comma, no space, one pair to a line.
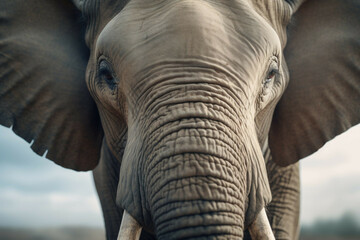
344,72
70,143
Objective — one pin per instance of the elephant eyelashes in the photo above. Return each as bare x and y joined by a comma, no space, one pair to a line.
105,75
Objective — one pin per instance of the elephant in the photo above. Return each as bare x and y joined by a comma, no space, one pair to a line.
193,114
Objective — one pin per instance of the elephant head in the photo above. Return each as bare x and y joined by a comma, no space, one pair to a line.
183,92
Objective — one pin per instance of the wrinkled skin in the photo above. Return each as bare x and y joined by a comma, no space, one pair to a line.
203,93
184,95
283,211
194,122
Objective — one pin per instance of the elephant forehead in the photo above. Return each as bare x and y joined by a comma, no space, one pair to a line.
142,34
165,28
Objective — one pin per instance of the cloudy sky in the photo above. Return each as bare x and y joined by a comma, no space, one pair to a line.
34,192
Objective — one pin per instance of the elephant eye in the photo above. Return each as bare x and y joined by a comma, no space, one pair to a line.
106,75
270,77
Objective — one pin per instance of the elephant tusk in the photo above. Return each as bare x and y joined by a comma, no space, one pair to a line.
260,228
130,229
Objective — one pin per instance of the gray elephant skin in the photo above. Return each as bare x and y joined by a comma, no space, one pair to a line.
192,113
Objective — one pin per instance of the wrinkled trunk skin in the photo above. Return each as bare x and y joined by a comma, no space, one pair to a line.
188,154
196,185
197,188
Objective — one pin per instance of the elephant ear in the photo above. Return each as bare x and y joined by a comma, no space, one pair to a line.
323,96
43,94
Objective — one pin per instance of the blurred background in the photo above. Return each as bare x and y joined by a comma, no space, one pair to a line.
40,200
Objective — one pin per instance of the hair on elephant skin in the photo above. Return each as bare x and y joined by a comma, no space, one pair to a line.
192,113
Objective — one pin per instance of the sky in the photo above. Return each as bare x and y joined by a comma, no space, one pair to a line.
34,192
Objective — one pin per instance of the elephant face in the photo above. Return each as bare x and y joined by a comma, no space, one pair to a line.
184,95
194,83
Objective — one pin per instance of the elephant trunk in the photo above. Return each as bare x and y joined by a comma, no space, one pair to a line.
196,182
199,164
196,169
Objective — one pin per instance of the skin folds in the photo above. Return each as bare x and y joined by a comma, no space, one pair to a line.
179,120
